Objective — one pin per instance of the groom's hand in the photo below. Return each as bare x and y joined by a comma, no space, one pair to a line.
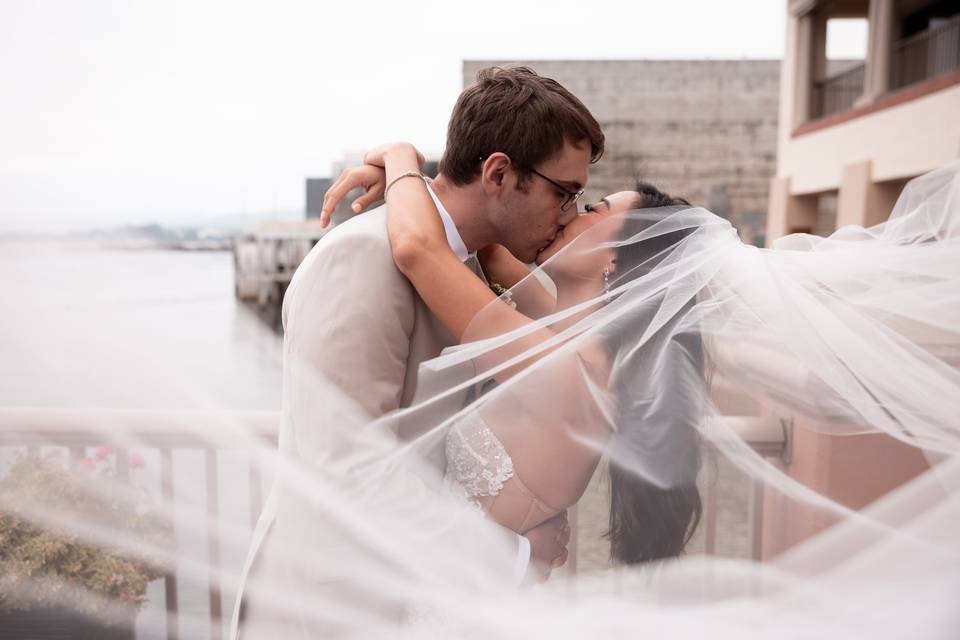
371,179
548,546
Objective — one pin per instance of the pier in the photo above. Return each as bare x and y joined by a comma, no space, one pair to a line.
265,260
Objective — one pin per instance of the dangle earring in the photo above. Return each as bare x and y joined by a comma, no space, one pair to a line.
606,279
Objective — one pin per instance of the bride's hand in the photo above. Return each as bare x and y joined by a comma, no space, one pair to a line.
373,181
371,177
377,155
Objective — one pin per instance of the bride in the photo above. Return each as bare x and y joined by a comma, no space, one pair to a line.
524,468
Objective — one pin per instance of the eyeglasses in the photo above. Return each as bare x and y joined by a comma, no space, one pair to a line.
572,196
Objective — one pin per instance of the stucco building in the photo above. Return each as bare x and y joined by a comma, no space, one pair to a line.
848,141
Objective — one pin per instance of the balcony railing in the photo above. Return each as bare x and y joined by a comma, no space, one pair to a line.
167,431
927,54
837,93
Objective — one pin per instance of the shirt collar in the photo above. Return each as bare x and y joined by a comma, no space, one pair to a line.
453,235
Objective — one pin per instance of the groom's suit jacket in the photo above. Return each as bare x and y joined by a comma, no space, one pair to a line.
354,321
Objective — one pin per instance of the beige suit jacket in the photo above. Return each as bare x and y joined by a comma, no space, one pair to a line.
360,325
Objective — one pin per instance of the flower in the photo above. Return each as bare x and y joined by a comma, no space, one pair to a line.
61,552
137,461
503,293
104,451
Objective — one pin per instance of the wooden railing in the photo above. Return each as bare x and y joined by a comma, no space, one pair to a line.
927,54
165,431
838,92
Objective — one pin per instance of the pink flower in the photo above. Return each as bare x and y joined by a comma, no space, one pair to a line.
104,451
137,461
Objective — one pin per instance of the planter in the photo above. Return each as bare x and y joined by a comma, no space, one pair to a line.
60,623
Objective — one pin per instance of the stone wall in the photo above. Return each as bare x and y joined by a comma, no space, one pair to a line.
704,130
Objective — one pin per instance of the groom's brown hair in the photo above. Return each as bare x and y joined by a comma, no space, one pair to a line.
517,112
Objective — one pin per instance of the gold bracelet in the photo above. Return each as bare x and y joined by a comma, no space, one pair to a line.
408,174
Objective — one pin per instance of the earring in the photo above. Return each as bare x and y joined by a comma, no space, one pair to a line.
606,279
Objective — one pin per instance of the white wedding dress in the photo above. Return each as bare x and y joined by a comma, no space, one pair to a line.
481,470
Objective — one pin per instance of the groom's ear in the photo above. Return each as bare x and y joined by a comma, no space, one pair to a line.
494,170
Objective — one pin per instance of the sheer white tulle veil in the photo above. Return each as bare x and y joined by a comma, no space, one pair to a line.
840,336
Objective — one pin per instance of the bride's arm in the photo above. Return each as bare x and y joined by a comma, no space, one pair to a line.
420,249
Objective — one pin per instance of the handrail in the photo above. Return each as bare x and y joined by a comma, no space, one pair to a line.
166,428
151,428
223,430
926,54
949,23
838,92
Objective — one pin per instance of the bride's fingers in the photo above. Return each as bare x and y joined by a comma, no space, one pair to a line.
330,200
372,194
337,191
560,560
370,178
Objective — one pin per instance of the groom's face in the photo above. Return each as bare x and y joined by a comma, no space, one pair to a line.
527,219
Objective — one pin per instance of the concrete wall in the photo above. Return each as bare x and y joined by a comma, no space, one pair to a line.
705,130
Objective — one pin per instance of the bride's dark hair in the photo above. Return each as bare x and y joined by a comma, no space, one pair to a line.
657,437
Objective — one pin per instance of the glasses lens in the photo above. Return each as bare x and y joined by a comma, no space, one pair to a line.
571,198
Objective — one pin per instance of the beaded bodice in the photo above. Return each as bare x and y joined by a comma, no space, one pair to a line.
481,469
476,459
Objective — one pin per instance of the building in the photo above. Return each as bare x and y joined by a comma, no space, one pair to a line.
852,138
702,129
849,139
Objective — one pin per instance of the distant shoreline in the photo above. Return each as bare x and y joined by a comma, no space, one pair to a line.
121,244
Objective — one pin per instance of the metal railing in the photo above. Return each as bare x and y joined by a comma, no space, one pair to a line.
164,431
167,431
838,92
927,54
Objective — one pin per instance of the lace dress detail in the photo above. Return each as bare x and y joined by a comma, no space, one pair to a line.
477,463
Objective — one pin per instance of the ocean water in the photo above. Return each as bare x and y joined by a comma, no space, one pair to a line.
82,327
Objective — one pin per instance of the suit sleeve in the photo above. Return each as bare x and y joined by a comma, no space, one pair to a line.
347,337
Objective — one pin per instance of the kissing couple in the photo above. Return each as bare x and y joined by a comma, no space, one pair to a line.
392,288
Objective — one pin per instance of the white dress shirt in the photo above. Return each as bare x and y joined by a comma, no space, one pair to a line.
455,240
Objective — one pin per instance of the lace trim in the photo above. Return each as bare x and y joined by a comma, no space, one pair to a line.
476,459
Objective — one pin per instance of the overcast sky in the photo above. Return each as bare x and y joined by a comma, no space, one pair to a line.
127,112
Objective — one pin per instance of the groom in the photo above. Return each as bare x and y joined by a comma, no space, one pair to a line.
361,327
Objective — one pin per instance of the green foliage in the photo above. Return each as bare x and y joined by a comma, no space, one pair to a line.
76,538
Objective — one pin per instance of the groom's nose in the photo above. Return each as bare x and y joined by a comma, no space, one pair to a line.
568,216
